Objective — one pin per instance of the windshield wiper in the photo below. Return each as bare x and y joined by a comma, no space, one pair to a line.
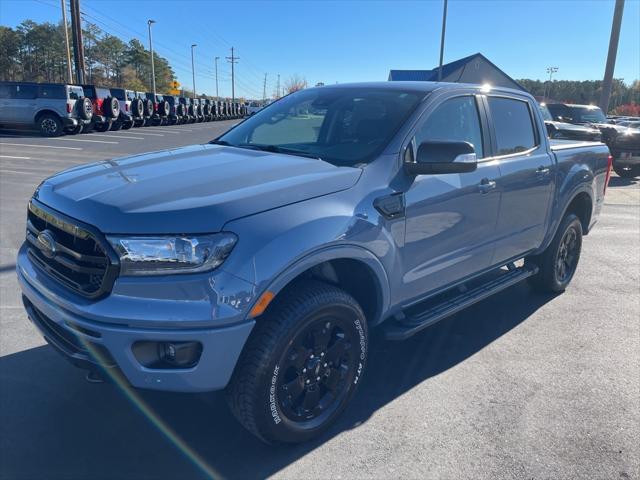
277,149
220,142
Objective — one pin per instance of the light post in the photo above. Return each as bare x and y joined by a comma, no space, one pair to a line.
216,62
550,71
193,71
153,69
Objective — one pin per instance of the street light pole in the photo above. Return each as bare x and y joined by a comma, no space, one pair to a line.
153,69
216,62
444,26
193,70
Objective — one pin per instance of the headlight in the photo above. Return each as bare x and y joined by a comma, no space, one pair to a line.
157,255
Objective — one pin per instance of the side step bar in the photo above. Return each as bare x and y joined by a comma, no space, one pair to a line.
408,326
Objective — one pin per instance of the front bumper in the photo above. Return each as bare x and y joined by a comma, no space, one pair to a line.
90,333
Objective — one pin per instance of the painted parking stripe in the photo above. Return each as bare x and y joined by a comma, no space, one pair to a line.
20,158
119,136
166,131
152,134
85,140
39,146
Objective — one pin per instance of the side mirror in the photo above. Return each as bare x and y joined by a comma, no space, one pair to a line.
443,157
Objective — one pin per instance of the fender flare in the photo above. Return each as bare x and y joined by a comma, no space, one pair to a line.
582,188
336,252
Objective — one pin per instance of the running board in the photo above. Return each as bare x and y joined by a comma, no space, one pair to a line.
410,325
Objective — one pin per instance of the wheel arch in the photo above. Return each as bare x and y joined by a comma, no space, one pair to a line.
45,111
352,268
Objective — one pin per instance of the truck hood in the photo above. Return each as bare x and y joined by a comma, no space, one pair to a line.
195,189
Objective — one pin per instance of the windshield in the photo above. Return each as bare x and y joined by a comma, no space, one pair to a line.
585,114
546,114
343,126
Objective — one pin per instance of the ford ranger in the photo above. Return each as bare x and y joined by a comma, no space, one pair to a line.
259,263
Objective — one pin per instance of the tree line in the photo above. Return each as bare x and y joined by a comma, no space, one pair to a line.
585,91
36,52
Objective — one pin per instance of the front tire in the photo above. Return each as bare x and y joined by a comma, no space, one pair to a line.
302,364
558,263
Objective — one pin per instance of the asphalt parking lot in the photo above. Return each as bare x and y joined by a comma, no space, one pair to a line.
521,385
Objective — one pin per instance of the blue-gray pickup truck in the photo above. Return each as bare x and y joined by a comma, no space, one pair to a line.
259,262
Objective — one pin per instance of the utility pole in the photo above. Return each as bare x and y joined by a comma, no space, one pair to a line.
215,60
547,90
153,70
611,56
193,70
233,60
76,33
66,41
264,89
444,25
278,87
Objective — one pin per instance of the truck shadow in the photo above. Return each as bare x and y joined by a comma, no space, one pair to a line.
53,424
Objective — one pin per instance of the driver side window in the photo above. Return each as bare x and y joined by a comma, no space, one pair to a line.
455,120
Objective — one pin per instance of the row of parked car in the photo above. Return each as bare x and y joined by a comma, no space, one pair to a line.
56,109
565,121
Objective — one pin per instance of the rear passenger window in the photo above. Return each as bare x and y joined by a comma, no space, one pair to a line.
4,90
25,92
52,91
456,120
513,125
75,93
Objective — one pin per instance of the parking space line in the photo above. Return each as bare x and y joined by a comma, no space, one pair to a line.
39,146
152,134
166,131
20,158
85,140
118,136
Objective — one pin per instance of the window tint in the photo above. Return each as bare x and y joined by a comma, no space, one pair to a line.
52,91
4,90
118,93
75,93
25,92
512,123
131,95
90,92
103,92
456,120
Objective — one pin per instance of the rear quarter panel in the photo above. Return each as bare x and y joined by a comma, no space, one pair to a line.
581,167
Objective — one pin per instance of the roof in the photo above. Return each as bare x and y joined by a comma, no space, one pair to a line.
415,86
447,69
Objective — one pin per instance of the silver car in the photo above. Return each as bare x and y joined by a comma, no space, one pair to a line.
52,108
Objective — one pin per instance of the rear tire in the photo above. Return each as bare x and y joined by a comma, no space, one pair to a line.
301,365
629,171
49,125
558,263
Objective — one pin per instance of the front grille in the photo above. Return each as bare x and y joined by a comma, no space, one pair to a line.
69,252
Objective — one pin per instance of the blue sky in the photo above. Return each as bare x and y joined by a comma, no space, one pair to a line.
357,41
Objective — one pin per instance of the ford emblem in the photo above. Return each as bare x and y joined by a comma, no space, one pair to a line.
47,244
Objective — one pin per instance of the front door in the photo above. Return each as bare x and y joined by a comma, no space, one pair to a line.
450,219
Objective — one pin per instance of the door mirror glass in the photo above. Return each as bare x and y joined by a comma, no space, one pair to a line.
443,157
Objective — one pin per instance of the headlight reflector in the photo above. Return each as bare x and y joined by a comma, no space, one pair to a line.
157,255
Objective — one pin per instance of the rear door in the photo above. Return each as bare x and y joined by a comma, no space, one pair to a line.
450,219
527,172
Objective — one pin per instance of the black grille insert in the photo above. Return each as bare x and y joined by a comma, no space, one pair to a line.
72,253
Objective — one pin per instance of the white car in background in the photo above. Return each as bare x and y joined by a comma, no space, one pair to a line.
253,107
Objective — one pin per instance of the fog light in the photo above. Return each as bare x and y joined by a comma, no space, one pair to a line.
167,355
181,354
